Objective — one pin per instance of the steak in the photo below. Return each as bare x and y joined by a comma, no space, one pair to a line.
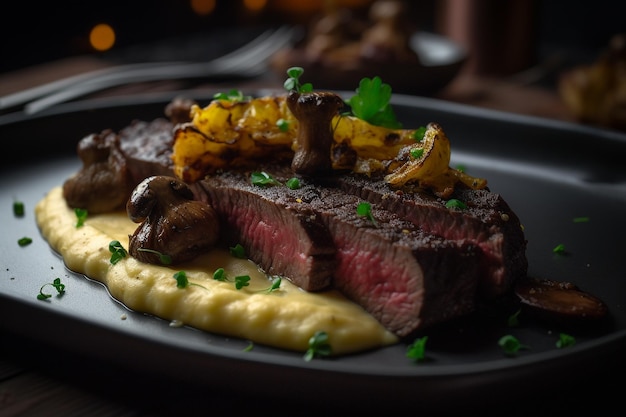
406,278
487,221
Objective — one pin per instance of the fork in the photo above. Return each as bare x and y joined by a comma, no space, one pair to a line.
246,61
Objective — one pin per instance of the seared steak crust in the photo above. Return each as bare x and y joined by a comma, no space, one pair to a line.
487,221
406,278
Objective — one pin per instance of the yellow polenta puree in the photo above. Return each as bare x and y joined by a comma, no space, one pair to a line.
285,318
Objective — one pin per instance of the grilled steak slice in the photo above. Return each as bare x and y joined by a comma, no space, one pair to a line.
283,237
487,221
404,277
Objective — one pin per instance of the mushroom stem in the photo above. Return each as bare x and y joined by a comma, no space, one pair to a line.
314,112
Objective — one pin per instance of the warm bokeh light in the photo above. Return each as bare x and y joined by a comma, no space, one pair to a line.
102,37
203,7
254,5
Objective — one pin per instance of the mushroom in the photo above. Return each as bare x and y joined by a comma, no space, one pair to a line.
559,302
103,183
315,112
172,222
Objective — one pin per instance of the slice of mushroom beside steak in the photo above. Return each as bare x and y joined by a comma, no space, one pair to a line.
173,223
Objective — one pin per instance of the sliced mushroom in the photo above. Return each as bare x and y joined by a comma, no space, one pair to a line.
314,112
559,302
172,222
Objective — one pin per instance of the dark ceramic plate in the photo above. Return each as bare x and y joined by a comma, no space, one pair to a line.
549,173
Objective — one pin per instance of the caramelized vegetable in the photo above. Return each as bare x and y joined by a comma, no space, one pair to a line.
229,134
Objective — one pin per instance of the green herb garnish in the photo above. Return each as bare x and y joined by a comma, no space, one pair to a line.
318,346
183,282
417,349
18,209
238,251
293,82
165,259
249,347
275,285
365,209
117,251
56,284
232,95
511,345
454,203
419,133
293,183
372,103
416,153
240,280
559,249
283,125
263,179
513,320
581,219
565,340
25,241
81,216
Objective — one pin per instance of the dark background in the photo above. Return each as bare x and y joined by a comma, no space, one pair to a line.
33,33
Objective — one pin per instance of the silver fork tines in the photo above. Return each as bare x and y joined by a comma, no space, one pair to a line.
245,61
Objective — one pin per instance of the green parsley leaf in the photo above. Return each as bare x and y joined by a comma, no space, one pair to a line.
81,216
293,183
262,179
60,287
565,340
25,241
454,203
365,209
318,346
417,349
117,251
238,251
511,345
372,103
283,125
419,133
18,209
164,259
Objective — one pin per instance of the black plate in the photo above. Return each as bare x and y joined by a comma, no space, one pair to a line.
549,172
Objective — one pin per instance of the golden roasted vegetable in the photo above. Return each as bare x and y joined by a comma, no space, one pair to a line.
229,134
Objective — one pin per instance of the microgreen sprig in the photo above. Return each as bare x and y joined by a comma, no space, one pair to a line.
455,203
165,259
81,216
233,95
293,82
511,345
56,283
183,282
117,251
263,179
365,209
240,280
238,251
318,346
565,340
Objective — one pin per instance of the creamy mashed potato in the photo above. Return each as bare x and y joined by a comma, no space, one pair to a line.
285,318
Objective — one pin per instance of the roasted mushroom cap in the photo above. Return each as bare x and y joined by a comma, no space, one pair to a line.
103,183
173,224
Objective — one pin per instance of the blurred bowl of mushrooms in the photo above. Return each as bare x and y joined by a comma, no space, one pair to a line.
339,48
